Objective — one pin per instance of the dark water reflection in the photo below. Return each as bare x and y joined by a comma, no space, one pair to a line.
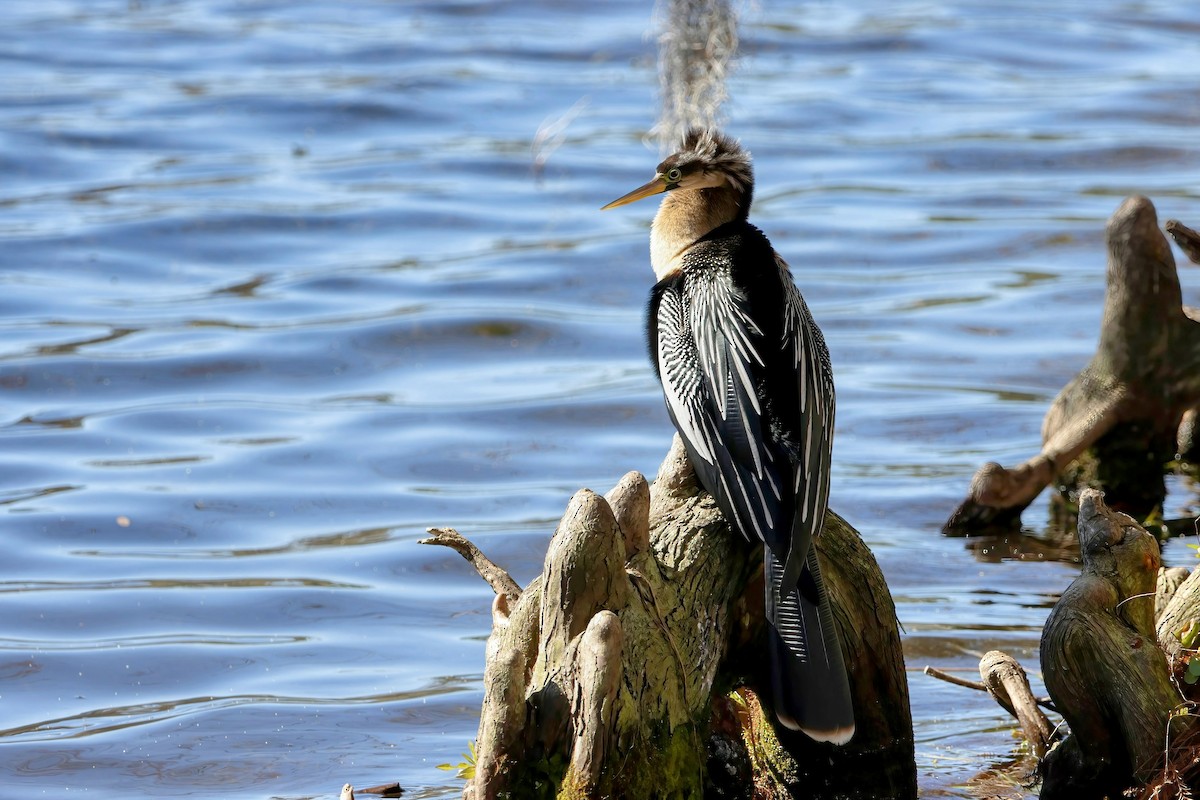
285,283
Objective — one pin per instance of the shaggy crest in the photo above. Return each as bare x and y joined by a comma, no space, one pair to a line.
713,151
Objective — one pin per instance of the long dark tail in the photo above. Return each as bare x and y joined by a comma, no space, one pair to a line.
812,690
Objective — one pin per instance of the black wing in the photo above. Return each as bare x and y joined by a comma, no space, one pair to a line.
748,384
747,381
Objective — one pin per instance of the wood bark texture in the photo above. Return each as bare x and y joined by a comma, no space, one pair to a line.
1006,681
1102,664
1125,408
629,668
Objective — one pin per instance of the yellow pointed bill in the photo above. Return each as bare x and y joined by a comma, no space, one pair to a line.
656,186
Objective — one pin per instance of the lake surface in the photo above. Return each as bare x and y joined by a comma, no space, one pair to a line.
285,283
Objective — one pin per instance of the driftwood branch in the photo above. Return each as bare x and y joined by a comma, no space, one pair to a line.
1124,410
632,666
942,675
500,581
980,686
1187,239
1008,685
1005,680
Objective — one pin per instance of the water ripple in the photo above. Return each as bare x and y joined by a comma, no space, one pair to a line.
121,718
286,283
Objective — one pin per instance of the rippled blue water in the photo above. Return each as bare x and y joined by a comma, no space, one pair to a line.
285,283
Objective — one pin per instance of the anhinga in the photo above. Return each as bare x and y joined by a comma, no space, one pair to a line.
749,386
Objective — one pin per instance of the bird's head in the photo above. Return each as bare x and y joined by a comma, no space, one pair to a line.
706,159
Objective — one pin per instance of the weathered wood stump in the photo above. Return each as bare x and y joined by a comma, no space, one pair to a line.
1119,678
1103,666
1125,408
631,666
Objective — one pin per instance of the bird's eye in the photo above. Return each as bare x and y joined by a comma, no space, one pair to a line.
674,175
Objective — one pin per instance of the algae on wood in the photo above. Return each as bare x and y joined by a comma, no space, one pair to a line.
614,674
1102,663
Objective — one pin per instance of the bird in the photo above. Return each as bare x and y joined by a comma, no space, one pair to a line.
748,383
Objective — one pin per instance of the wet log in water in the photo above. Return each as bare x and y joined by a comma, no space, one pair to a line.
630,667
1124,410
1109,669
1103,666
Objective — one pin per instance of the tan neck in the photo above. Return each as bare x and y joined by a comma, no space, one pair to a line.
684,216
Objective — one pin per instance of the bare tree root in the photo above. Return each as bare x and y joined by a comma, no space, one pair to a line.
631,666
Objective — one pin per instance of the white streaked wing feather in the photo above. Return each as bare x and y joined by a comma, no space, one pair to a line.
726,353
816,398
709,358
680,382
